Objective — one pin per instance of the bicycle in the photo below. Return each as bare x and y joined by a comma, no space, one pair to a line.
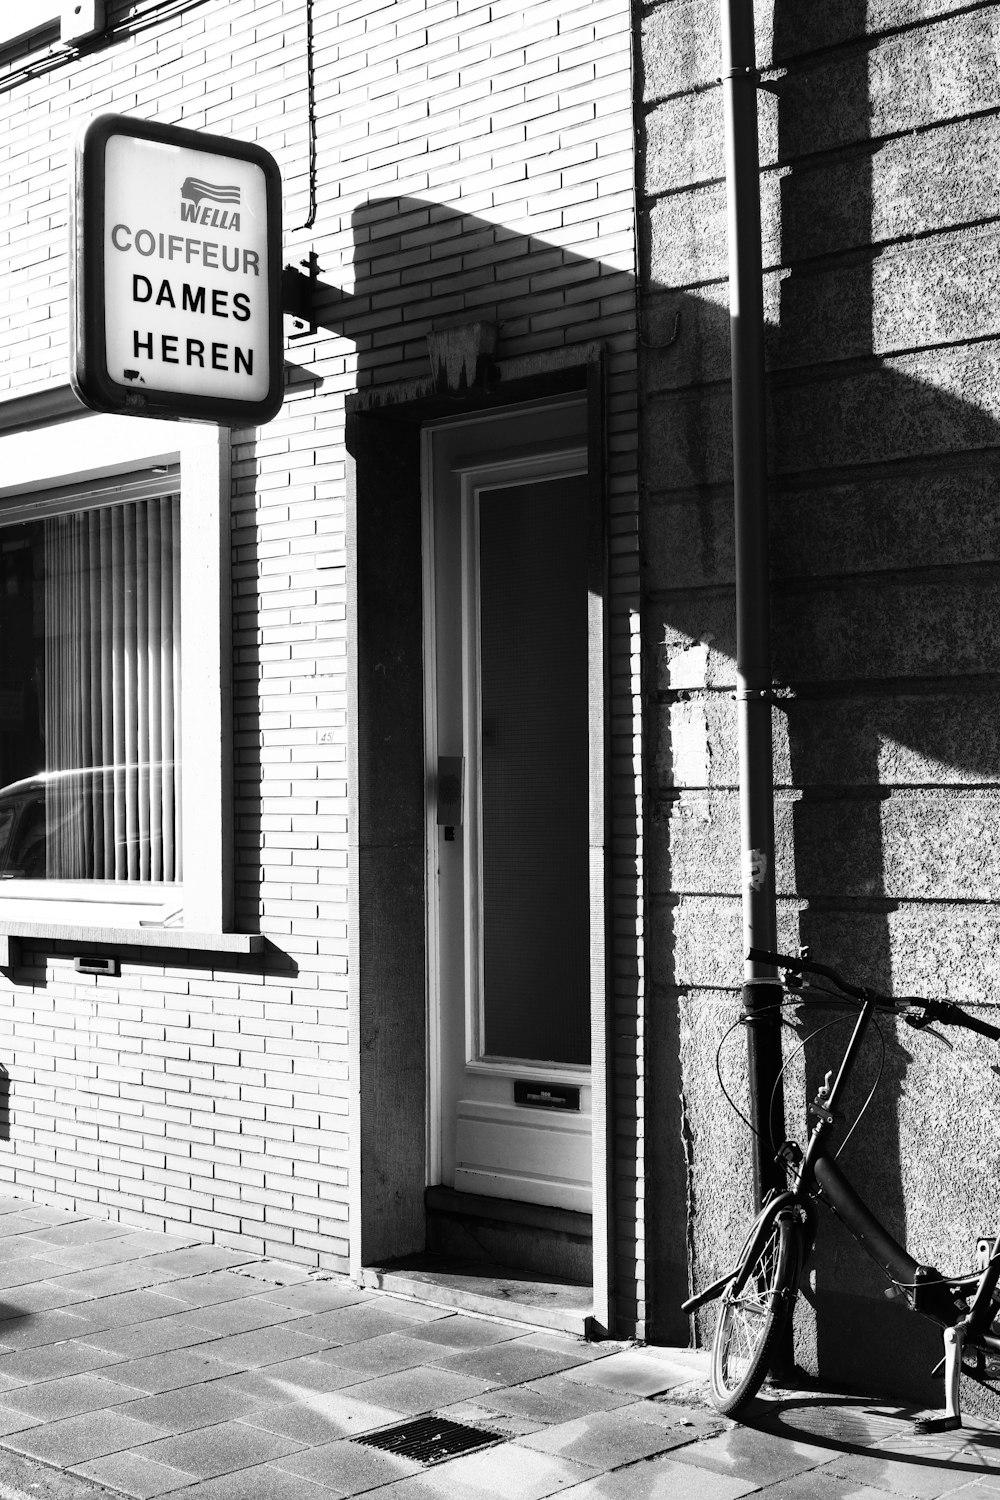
758,1294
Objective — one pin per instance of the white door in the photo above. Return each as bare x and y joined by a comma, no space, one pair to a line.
508,777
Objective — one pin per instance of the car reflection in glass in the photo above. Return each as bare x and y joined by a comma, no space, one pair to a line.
84,824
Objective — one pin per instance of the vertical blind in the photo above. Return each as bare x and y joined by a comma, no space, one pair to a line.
112,692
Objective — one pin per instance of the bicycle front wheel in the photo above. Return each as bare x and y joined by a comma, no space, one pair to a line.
754,1310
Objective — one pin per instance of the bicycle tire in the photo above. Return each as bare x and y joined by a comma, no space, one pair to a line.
754,1311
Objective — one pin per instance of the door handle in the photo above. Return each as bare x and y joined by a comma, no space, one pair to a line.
450,790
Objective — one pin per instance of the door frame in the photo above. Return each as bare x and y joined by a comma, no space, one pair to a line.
386,1105
482,451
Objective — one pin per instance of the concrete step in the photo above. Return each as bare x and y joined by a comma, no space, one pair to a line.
494,1290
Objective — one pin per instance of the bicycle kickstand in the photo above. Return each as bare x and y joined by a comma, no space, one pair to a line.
954,1338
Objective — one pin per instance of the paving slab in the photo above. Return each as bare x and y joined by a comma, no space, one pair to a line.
242,1315
385,1355
32,1329
264,1346
341,1415
166,1372
458,1331
967,1450
39,1296
23,1271
264,1483
553,1398
819,1485
663,1479
50,1362
81,1231
69,1258
509,1363
504,1424
292,1379
317,1296
630,1370
585,1350
131,1474
124,1276
50,1400
493,1474
188,1407
275,1273
124,1308
351,1468
693,1423
420,1390
33,1214
747,1452
222,1449
361,1320
604,1440
75,1439
137,1340
899,1476
195,1260
214,1287
12,1420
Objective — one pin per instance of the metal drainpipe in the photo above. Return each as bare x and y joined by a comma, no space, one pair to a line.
753,615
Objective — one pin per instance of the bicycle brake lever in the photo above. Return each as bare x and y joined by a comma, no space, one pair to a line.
921,1021
940,1037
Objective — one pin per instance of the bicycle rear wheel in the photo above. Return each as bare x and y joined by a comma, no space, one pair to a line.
754,1310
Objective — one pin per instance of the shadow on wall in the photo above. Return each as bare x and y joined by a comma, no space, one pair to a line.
884,543
884,656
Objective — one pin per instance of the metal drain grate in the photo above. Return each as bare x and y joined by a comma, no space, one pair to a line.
429,1440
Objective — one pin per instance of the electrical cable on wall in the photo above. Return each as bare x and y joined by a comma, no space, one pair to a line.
311,108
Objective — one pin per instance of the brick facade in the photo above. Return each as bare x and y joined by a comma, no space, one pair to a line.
444,162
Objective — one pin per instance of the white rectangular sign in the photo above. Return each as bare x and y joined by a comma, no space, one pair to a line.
178,302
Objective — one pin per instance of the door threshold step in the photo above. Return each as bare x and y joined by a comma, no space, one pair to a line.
497,1291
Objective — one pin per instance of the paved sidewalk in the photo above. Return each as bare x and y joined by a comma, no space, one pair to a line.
142,1364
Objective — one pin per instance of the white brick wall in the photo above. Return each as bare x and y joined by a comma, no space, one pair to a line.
220,1098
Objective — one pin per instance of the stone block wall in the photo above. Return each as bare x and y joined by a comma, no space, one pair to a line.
878,132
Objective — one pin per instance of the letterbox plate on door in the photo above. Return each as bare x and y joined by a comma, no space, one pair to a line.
546,1095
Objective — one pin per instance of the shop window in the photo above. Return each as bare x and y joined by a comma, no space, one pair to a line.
115,740
90,694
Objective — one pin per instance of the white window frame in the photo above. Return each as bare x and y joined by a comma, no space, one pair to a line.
80,451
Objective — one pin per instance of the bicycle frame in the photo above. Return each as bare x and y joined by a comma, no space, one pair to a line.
963,1305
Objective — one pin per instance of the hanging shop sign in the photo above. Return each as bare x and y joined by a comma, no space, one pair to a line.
176,274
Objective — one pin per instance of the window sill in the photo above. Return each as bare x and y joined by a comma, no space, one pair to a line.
164,938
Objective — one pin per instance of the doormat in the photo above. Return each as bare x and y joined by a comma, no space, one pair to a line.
429,1440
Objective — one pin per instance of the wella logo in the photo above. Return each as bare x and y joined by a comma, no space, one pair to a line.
194,211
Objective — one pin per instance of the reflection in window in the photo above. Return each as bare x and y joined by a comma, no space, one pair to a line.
90,695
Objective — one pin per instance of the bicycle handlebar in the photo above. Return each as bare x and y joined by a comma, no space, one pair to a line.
932,1010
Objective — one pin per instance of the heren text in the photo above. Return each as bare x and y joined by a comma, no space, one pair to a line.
171,349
